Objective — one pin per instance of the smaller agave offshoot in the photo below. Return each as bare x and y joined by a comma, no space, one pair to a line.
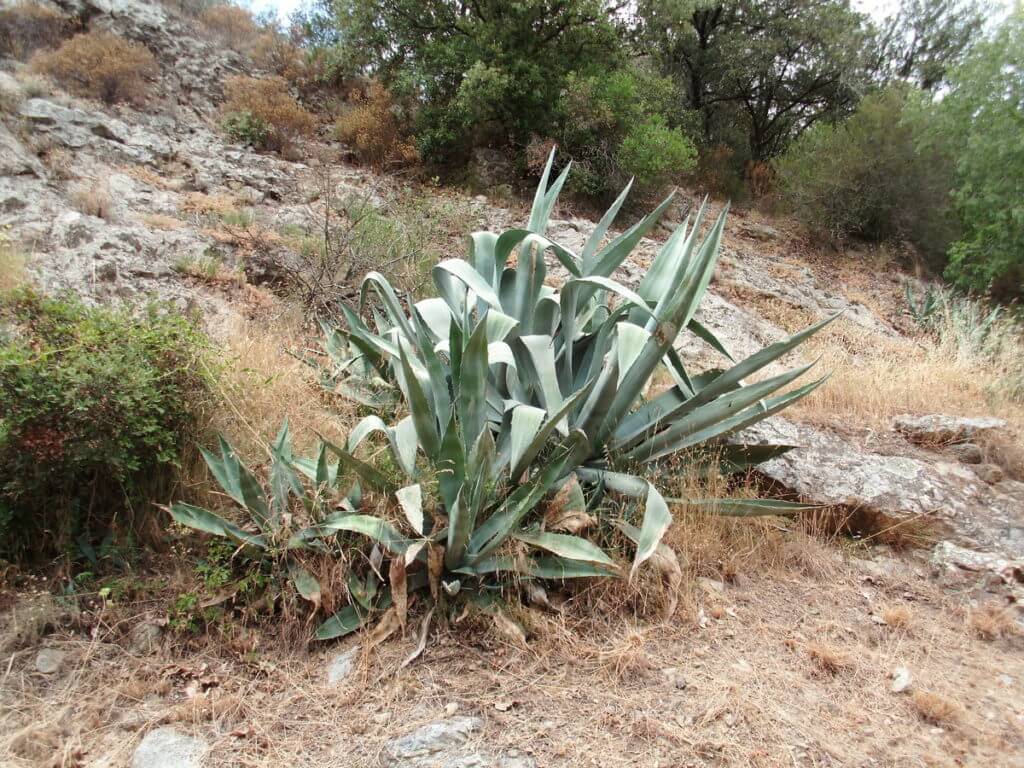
518,394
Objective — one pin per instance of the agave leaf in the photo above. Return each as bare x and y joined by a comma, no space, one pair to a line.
737,457
367,525
344,622
541,437
451,465
423,416
594,241
544,199
557,568
283,480
460,525
305,583
631,340
704,333
750,507
366,473
613,254
567,509
714,412
410,499
435,315
529,279
470,278
564,545
239,483
482,246
472,399
657,519
663,560
203,520
541,353
388,298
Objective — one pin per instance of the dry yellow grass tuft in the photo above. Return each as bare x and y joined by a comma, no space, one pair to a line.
828,659
161,221
993,622
93,200
935,708
897,617
234,26
273,119
208,205
12,265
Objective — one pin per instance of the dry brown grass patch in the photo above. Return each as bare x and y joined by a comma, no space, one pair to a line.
162,221
275,119
828,659
100,65
147,176
233,26
93,200
993,622
208,205
935,708
374,131
12,265
28,26
897,617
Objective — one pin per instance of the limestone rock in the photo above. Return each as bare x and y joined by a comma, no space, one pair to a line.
15,160
881,491
758,231
938,428
49,660
422,746
168,748
968,453
341,666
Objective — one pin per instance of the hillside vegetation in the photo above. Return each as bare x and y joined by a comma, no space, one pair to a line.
507,385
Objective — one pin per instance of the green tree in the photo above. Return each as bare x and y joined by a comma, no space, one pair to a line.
486,72
774,67
926,38
981,122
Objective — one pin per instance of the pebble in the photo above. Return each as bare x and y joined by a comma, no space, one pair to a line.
901,680
168,748
49,660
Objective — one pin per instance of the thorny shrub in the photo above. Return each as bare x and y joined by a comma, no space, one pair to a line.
374,129
100,65
98,404
27,27
260,111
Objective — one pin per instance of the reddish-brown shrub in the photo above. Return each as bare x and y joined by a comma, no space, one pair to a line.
271,117
100,65
234,26
374,131
27,27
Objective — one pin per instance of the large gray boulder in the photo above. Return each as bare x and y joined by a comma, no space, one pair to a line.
880,492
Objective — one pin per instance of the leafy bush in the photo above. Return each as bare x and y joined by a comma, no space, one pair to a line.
867,177
232,25
979,123
97,405
26,27
100,65
376,132
516,394
613,126
263,113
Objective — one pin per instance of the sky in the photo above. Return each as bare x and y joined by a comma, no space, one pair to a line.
878,8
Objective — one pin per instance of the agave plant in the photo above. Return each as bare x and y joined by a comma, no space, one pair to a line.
268,531
517,391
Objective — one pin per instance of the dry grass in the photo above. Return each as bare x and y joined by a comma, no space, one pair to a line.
374,131
209,205
993,622
93,199
100,65
231,25
147,176
897,617
263,384
935,708
828,659
27,27
162,221
12,265
275,119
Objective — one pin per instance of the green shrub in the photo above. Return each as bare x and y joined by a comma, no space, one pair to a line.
246,128
97,406
614,126
980,123
868,178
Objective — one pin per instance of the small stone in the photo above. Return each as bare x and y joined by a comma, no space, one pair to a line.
711,585
380,718
1005,679
939,429
680,683
49,660
968,453
901,680
341,666
450,709
167,748
145,637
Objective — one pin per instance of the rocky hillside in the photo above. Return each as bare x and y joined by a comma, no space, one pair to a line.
124,204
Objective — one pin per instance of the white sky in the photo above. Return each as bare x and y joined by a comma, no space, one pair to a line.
878,8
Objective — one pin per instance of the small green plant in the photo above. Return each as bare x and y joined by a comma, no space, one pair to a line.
246,128
922,311
97,405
